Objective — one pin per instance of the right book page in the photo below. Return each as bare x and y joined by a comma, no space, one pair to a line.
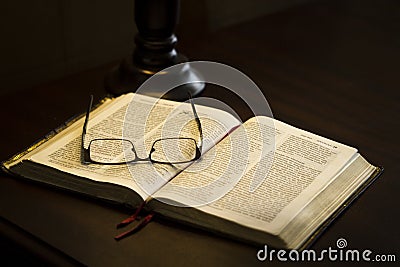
299,167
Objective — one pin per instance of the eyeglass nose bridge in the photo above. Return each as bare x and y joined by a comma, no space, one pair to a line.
137,158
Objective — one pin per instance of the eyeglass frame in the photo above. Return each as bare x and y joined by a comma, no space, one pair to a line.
85,152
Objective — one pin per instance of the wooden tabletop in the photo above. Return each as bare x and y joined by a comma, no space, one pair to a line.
330,67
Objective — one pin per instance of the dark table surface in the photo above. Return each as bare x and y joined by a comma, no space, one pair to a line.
329,67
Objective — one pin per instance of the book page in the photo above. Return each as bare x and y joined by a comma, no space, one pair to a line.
140,119
301,165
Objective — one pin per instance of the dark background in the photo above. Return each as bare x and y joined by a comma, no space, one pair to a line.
47,39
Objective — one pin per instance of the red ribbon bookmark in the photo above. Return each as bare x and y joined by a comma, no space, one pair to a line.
132,217
143,222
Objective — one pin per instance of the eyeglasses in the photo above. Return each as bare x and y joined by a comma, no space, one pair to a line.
110,151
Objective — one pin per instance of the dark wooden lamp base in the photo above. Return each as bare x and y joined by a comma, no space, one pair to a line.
154,51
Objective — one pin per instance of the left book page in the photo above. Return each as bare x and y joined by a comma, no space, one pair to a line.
142,120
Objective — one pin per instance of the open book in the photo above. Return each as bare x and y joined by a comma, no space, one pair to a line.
262,181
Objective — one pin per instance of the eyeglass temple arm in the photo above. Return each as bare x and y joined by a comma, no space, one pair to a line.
85,152
196,117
